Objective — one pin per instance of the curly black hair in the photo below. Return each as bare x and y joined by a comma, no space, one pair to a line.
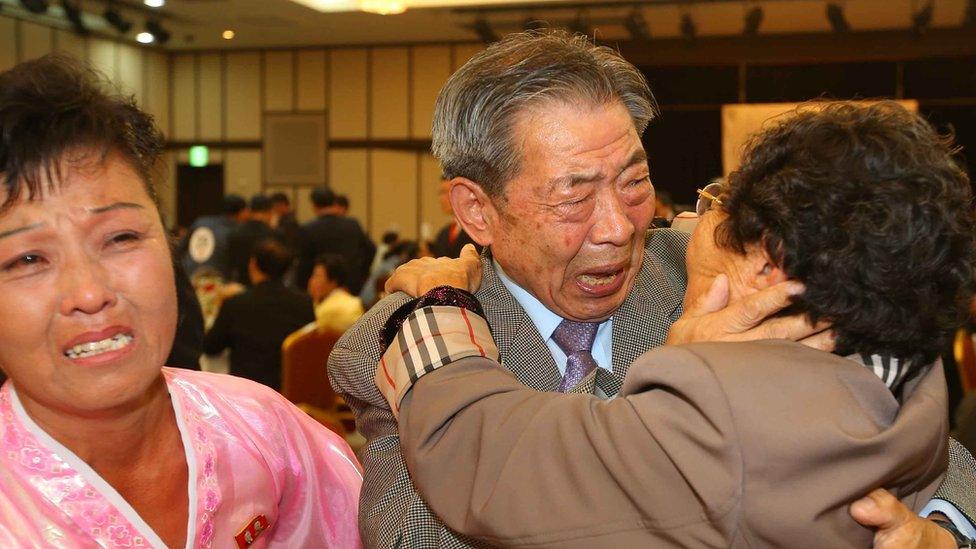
866,206
53,108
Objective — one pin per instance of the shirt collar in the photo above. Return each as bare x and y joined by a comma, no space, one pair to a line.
545,320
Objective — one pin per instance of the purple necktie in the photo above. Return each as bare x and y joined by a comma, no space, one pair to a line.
576,340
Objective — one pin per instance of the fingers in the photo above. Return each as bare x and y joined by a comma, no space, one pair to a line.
881,510
754,308
823,341
716,298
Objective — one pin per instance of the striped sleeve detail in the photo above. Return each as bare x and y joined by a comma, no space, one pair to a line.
430,338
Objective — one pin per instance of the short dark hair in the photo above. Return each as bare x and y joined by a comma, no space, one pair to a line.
232,203
335,267
273,258
390,237
342,200
53,107
280,198
260,203
323,197
867,207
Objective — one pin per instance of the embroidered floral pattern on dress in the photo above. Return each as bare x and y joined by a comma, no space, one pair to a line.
62,486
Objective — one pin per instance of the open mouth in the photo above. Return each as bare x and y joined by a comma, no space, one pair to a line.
94,348
598,280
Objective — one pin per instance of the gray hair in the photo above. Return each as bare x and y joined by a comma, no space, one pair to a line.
475,113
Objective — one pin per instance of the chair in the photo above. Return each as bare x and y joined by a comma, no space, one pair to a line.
965,355
304,355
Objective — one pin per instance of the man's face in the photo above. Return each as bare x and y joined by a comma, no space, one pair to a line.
570,226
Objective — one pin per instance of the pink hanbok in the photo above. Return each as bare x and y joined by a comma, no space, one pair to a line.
262,474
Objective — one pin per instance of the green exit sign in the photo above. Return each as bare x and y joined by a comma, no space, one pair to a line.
199,156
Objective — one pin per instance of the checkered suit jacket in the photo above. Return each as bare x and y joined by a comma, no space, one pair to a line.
392,514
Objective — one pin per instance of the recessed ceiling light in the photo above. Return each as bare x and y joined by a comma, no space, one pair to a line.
154,3
144,38
228,34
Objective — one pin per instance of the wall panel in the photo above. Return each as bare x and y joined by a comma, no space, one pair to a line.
348,169
242,172
130,72
243,96
102,55
157,90
347,94
211,90
393,193
389,93
311,78
432,218
463,52
69,43
35,41
431,68
185,88
8,43
279,81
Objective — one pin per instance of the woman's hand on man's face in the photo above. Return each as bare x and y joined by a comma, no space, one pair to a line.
713,318
419,276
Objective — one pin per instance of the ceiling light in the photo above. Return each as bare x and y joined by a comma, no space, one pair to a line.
228,34
154,3
35,6
483,29
383,7
754,19
922,18
159,34
636,25
688,29
835,14
144,38
114,17
73,13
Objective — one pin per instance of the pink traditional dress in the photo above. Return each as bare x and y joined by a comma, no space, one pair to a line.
262,474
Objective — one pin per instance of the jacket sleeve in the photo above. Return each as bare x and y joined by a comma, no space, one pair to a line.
391,512
507,464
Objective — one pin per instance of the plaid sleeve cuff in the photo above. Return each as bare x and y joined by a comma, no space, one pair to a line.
431,337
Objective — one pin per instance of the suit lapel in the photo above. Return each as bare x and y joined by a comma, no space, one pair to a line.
521,347
642,322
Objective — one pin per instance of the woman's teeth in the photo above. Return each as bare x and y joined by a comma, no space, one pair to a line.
84,350
592,280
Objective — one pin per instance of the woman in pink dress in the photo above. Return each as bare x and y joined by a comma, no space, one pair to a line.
100,444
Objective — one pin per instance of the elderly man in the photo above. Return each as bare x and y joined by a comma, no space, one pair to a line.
540,138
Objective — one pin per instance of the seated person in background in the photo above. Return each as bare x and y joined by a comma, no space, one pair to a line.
750,444
335,308
255,323
101,444
398,254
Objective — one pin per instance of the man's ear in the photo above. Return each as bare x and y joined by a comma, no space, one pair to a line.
474,210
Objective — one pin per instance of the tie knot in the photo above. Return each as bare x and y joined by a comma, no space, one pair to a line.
573,337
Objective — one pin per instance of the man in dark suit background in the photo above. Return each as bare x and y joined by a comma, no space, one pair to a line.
246,237
330,232
255,323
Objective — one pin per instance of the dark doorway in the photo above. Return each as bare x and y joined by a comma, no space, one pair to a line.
198,192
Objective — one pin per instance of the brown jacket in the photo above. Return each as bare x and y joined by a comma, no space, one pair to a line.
760,444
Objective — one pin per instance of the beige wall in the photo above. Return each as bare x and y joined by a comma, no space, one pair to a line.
368,94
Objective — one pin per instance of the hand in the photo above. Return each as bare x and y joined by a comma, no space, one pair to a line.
897,526
712,318
419,276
